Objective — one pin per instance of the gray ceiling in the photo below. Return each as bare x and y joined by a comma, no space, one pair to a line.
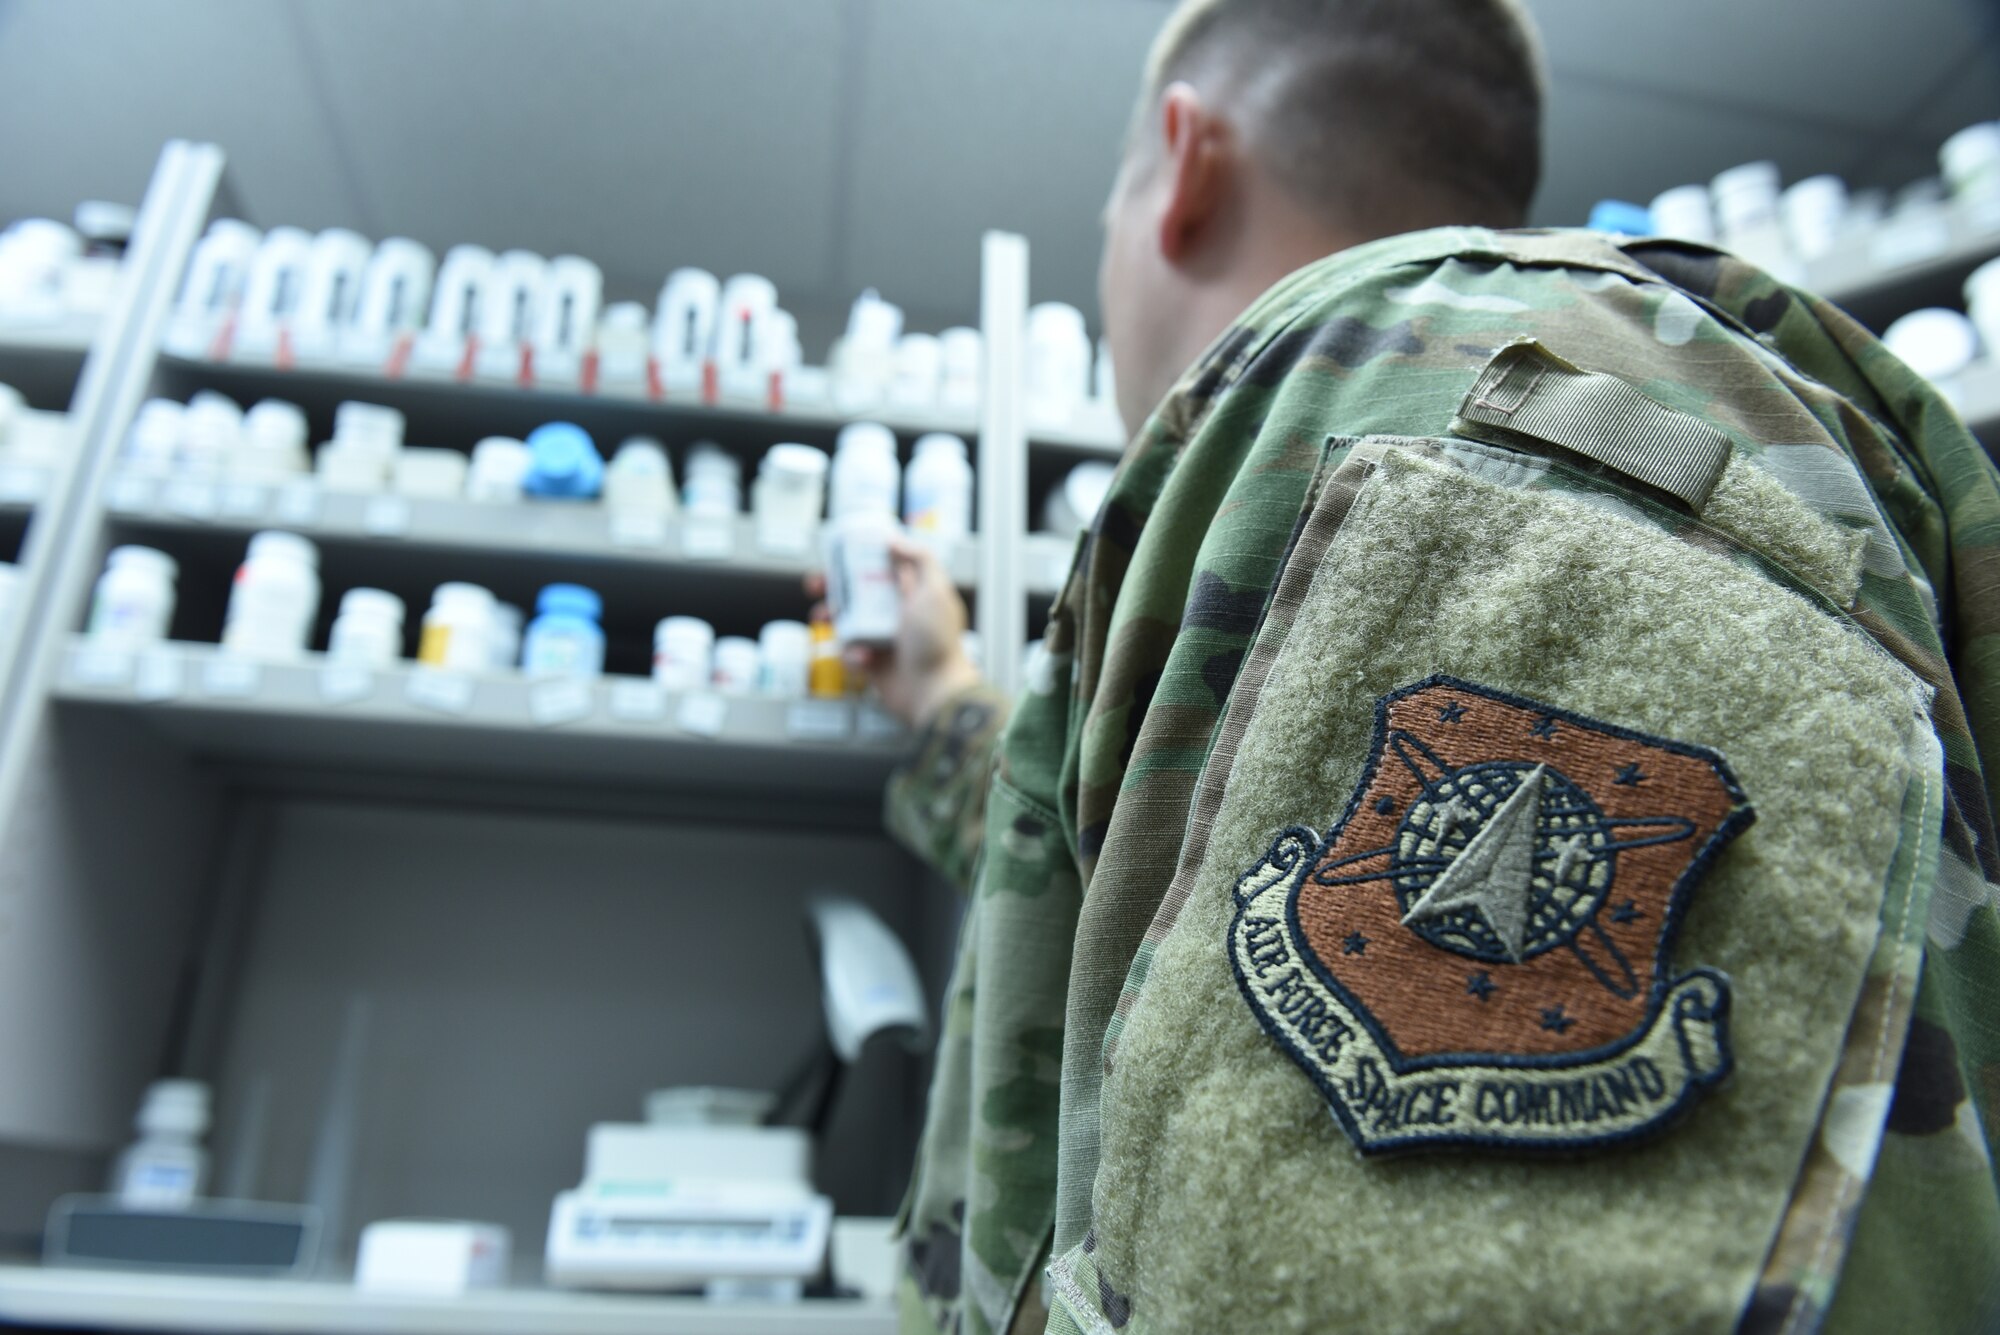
832,144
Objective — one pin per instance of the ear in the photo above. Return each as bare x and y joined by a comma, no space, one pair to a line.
1194,170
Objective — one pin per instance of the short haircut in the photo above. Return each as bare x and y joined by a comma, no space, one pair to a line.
1380,115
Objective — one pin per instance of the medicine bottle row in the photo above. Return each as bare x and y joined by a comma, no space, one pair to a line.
212,437
275,597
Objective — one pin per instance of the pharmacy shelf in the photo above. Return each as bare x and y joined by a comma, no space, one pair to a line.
1895,269
133,1301
438,402
442,406
1045,560
612,733
574,531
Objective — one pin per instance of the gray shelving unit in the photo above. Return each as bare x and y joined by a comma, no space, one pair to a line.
554,896
1894,270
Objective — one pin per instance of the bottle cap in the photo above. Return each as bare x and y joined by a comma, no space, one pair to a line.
273,545
143,558
569,600
941,443
462,594
865,437
372,602
686,630
561,449
788,458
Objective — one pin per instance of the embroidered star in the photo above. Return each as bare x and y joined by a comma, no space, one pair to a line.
1631,775
1451,713
1626,912
1495,871
1553,1018
1386,805
1480,984
1355,944
1545,726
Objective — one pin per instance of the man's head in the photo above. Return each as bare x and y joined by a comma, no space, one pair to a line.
1271,132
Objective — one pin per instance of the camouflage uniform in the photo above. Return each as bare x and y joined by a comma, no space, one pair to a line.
1081,826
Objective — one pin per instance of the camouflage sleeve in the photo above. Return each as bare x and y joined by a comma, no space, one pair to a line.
936,802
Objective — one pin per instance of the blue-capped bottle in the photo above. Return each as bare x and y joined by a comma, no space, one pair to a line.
564,639
563,463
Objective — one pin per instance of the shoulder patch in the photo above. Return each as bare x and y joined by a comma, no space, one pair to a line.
1478,954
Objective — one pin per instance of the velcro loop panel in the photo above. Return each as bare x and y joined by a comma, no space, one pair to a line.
1528,395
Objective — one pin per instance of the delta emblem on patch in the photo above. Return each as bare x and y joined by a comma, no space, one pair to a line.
1478,954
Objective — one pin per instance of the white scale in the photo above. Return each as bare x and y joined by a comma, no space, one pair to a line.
725,1208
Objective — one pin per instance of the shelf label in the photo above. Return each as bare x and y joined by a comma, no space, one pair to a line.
818,720
101,665
708,538
637,701
297,503
228,677
644,529
442,692
128,494
563,700
242,500
877,723
158,677
19,484
1910,241
701,713
386,517
341,683
190,497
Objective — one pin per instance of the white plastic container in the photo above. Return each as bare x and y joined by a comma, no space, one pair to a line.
683,653
271,447
331,290
937,489
462,279
1058,371
217,271
1935,342
861,580
133,603
166,1168
713,487
623,344
865,477
684,327
867,352
567,318
784,655
430,474
1982,305
1970,161
271,297
1813,210
155,438
395,290
369,630
436,1258
918,373
369,423
737,665
498,465
787,498
1746,197
1684,213
639,482
508,304
742,335
959,353
458,628
211,427
274,598
347,465
1072,506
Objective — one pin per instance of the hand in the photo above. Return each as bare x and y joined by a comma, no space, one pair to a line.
927,664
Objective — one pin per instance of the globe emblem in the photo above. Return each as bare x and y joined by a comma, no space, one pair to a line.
1567,847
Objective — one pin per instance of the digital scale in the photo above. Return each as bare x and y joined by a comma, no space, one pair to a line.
729,1209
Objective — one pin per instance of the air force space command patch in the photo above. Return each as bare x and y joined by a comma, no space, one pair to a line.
1478,954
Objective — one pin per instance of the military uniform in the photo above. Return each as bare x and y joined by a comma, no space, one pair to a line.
1497,839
